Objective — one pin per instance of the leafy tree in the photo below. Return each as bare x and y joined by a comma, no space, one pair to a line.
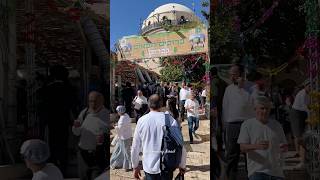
270,42
171,73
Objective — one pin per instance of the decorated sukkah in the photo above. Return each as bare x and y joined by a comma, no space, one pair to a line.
272,37
51,32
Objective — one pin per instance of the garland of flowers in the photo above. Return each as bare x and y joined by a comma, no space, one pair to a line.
168,61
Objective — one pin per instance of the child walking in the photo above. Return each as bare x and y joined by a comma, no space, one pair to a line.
121,155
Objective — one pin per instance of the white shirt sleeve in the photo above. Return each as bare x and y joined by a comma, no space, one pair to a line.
183,161
244,137
77,131
120,122
225,105
186,104
136,147
145,101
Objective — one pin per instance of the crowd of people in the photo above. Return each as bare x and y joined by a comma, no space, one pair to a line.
149,108
250,120
59,122
171,95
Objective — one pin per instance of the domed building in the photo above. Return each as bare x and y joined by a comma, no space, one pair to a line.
170,31
169,14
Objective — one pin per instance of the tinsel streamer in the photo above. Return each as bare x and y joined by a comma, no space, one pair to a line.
266,15
312,32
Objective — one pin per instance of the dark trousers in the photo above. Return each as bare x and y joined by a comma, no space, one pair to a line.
128,108
233,149
161,176
58,144
193,124
139,114
182,109
263,176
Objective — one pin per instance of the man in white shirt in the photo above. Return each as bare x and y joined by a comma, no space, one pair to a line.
237,107
140,103
91,126
183,95
148,134
299,114
263,140
192,107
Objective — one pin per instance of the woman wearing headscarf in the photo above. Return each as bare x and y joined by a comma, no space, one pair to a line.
121,155
35,153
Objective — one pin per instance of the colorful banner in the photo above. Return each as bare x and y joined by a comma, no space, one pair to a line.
163,44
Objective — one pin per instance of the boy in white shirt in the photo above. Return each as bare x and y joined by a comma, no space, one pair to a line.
192,107
121,155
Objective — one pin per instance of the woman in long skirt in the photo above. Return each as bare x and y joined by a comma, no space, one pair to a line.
121,155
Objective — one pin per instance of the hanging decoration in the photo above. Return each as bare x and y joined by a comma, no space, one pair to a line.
190,63
313,55
266,15
313,50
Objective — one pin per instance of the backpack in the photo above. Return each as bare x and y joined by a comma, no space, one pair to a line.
171,148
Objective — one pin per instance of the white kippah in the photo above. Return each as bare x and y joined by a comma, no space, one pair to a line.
35,150
121,109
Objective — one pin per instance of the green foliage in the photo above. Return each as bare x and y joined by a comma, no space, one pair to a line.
171,73
205,14
224,41
271,42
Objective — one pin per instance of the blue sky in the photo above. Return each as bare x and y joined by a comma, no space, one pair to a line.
125,15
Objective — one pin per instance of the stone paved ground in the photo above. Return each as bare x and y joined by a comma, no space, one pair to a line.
198,155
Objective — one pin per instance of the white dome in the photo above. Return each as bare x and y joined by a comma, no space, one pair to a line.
173,12
169,8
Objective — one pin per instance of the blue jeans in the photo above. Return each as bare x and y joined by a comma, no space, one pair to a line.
263,176
193,124
162,176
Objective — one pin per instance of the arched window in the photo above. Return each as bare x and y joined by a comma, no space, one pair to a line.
149,23
182,20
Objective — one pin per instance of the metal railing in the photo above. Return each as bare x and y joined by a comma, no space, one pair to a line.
161,24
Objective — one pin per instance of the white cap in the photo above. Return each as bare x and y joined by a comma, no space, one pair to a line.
121,109
35,150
